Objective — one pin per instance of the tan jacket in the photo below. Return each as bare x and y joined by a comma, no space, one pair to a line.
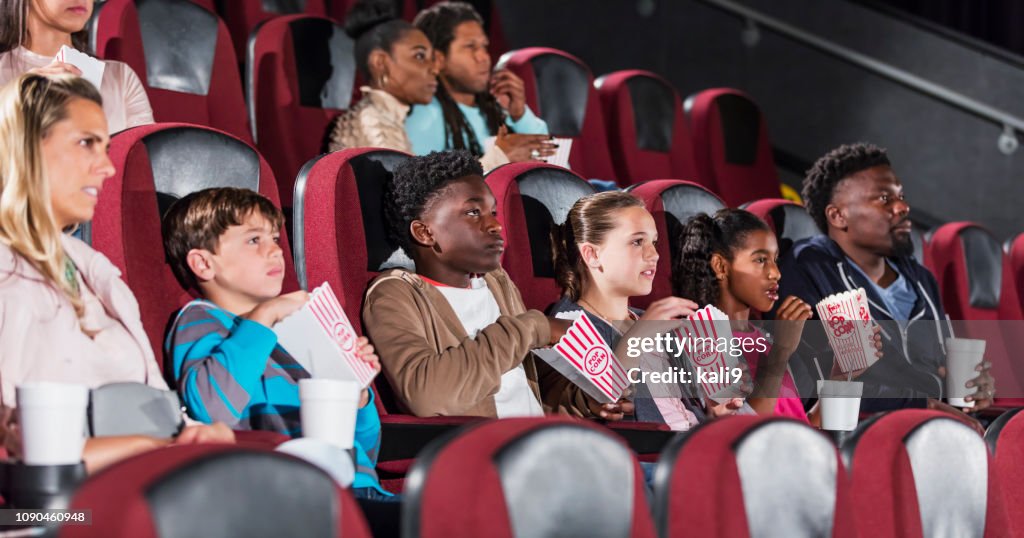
376,121
436,369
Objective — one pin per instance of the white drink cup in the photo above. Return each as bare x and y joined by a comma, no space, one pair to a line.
963,355
840,404
328,410
52,421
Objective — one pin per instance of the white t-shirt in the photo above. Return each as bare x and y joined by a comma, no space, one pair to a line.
476,308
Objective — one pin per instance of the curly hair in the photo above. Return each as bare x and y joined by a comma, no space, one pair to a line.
832,168
414,186
589,221
702,237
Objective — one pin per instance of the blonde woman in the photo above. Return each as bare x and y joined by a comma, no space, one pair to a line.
65,314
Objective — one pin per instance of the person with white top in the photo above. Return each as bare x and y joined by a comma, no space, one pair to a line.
32,32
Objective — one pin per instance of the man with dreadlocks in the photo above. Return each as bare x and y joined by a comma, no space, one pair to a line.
471,103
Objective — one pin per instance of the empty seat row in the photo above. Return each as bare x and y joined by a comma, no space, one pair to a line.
904,473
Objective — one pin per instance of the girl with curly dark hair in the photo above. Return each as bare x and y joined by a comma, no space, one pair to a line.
729,260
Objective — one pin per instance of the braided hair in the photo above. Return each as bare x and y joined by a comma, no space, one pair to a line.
702,237
438,22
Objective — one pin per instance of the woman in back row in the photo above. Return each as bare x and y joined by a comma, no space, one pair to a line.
32,32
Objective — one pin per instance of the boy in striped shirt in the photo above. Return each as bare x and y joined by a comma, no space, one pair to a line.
223,244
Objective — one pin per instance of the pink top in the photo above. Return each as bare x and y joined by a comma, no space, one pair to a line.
42,338
125,102
788,403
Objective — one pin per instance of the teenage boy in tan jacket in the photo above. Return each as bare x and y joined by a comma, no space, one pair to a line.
454,337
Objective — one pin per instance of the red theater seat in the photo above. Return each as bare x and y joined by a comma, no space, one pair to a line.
731,145
1014,252
647,133
923,473
299,77
752,476
183,55
526,477
560,90
974,277
977,285
157,164
215,490
1005,439
532,198
339,231
243,16
789,220
672,202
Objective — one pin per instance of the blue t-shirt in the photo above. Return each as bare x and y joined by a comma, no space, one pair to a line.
899,297
425,126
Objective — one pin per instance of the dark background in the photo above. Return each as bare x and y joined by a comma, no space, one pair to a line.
947,159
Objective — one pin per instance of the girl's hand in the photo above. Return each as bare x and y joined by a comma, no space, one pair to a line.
790,319
669,308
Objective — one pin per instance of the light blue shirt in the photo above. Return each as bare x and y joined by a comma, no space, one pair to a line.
425,126
899,297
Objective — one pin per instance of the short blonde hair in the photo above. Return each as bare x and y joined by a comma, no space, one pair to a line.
29,107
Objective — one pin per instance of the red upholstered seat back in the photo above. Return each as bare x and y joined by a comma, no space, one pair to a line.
339,231
182,53
647,133
671,202
214,490
789,220
1005,438
495,480
339,227
532,197
731,145
243,16
299,76
156,164
1014,251
976,284
560,90
905,464
727,479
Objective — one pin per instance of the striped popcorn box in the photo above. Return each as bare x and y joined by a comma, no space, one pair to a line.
705,337
320,337
847,322
583,357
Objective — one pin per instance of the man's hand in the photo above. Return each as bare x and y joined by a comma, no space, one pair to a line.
510,92
938,405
